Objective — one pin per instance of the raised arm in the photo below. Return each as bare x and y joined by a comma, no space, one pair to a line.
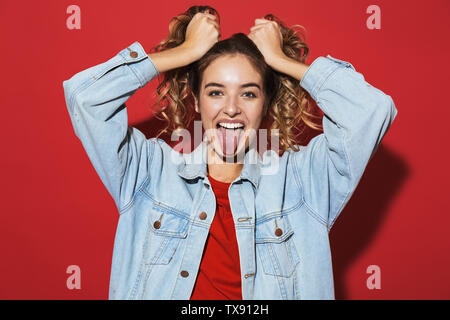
96,97
356,118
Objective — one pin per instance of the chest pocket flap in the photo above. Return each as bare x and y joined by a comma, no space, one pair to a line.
167,229
275,247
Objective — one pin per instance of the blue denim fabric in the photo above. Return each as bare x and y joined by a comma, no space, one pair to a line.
150,182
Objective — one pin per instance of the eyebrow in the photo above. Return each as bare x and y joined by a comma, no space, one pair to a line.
245,85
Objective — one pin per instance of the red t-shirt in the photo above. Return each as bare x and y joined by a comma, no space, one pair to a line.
219,276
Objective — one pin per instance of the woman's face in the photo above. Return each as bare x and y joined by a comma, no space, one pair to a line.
231,101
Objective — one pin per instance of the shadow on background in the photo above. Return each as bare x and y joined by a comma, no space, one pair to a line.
361,219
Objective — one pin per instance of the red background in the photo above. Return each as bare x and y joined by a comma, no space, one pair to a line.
56,212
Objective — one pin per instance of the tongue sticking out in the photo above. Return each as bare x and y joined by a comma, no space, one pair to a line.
229,139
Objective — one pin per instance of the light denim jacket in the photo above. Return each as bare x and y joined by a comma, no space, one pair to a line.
150,182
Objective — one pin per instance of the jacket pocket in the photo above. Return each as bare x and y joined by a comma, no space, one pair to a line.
167,228
275,247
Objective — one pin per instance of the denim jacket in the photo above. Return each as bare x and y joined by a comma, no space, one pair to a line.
282,220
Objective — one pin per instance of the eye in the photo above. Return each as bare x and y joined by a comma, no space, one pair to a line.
213,93
251,94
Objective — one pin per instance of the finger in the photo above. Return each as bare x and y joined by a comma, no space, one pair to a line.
254,28
201,15
265,22
209,15
214,23
261,21
217,27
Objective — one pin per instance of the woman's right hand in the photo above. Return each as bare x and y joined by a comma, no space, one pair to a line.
202,33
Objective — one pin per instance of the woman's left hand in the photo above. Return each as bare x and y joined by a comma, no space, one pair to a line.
267,36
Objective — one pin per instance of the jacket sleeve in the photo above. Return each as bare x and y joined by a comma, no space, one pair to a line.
95,99
356,118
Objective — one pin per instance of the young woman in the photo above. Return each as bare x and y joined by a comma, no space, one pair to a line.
204,225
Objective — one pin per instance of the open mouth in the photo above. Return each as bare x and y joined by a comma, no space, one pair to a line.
229,135
230,126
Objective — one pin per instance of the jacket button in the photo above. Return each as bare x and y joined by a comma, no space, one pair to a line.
278,232
184,274
133,54
157,224
203,215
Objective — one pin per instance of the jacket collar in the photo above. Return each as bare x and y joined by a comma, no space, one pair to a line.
194,165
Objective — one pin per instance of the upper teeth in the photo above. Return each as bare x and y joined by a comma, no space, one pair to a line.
231,125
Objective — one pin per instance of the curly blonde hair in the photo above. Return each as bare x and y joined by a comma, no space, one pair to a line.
288,107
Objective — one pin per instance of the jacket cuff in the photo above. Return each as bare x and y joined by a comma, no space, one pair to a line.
146,69
319,71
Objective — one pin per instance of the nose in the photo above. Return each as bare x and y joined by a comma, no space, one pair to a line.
232,107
